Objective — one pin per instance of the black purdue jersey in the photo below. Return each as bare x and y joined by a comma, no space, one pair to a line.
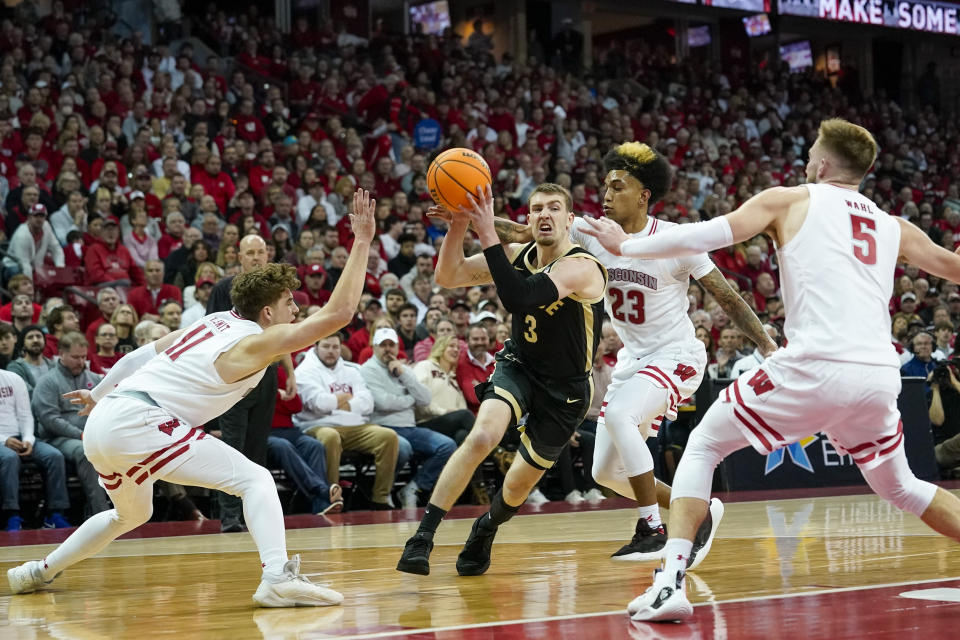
557,340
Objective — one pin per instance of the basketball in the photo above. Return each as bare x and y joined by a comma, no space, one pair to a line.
455,173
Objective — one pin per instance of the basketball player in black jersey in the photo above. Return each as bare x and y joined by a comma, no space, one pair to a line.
554,289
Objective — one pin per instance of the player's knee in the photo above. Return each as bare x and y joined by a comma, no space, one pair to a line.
132,516
481,440
602,473
897,485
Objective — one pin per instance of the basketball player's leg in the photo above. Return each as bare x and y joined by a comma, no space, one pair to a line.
715,438
213,465
521,478
133,506
493,418
540,447
626,463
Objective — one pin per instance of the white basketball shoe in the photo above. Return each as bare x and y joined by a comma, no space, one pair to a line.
28,577
665,600
290,589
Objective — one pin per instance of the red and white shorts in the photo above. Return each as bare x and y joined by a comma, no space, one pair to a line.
679,374
784,400
131,444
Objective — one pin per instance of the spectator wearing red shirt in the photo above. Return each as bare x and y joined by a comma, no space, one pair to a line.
386,183
261,174
61,320
104,355
581,204
731,259
360,338
304,91
172,238
249,126
109,260
475,366
107,301
757,263
314,277
215,183
148,298
143,182
20,285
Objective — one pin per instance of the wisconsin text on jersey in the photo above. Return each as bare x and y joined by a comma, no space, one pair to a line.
635,277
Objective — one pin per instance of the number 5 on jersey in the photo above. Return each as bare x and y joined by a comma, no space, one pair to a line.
864,239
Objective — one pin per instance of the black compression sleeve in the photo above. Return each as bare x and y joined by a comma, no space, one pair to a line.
517,293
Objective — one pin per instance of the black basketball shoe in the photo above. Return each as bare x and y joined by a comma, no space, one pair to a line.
416,555
646,544
474,560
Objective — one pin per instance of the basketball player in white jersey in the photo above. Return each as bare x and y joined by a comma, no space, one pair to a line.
661,363
838,374
144,414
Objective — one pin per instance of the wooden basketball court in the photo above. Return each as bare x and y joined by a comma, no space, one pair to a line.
810,567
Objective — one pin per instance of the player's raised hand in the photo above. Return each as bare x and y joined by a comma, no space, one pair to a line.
480,213
362,221
610,234
440,212
83,398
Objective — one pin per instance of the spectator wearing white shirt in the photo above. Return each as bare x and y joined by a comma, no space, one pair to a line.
32,243
20,443
336,408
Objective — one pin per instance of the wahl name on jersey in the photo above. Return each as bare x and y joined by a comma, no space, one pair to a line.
634,277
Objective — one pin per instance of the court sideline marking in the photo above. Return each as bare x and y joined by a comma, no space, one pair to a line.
598,614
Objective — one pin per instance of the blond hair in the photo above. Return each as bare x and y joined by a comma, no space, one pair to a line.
550,187
851,144
436,352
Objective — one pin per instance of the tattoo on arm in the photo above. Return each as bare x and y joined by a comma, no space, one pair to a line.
509,231
482,276
734,306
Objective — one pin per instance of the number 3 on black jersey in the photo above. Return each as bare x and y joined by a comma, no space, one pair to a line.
531,333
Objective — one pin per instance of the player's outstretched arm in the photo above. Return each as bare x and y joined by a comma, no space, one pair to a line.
286,338
759,214
918,249
738,311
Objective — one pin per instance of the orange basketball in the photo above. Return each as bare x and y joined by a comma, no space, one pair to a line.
455,173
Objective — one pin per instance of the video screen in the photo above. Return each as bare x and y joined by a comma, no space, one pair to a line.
433,17
742,5
757,25
698,36
798,55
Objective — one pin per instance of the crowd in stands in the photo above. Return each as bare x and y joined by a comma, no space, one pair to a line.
130,174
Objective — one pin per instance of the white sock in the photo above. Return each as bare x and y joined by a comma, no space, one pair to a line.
676,553
651,514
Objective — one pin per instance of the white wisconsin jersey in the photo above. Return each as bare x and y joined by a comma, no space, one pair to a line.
647,299
183,380
836,278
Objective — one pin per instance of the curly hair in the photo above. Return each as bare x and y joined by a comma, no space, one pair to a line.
254,290
643,163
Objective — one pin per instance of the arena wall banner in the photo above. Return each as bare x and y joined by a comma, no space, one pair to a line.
917,15
813,462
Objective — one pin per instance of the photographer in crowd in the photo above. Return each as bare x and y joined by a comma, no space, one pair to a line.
945,413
